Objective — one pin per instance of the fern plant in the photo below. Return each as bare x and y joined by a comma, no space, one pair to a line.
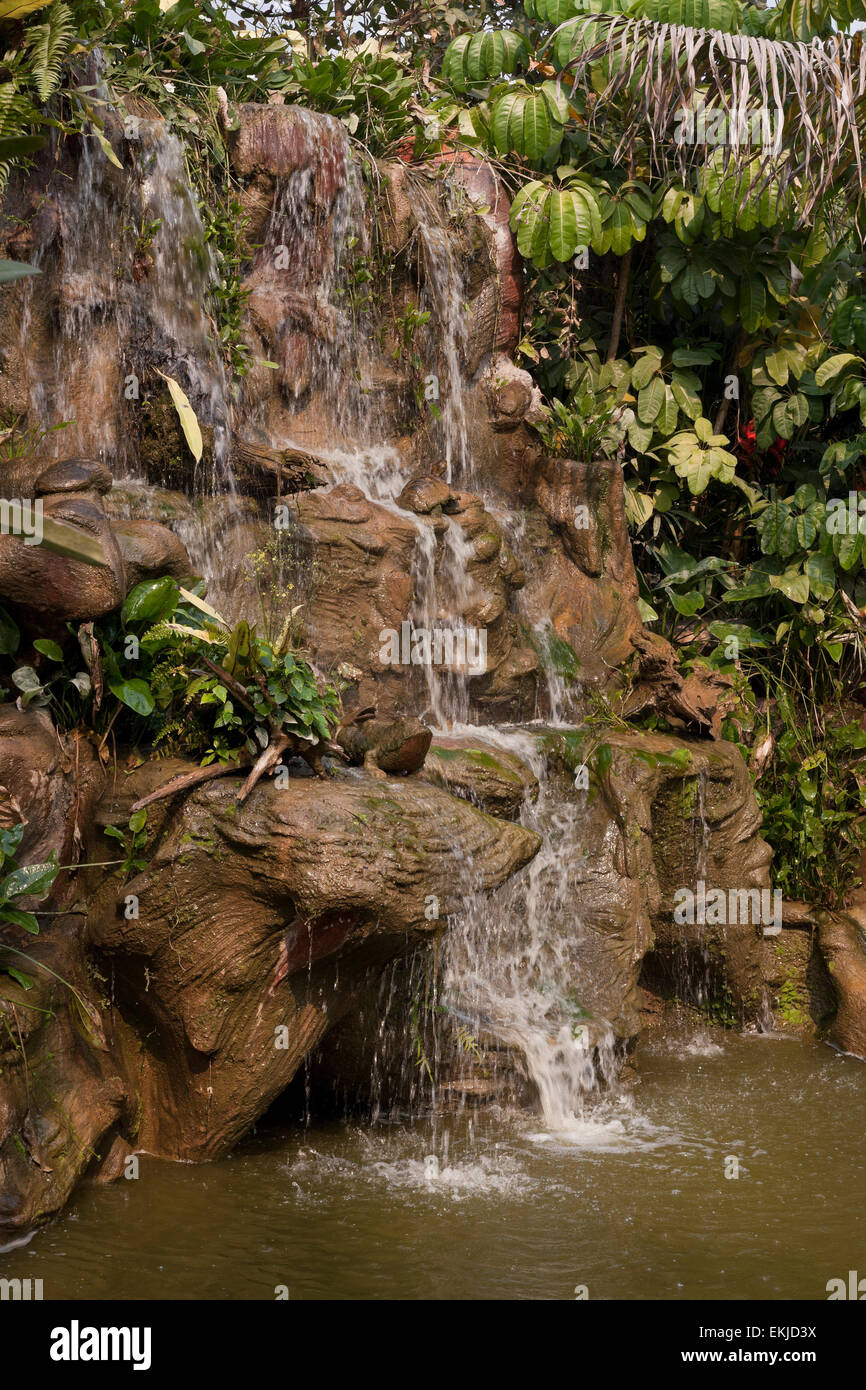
34,69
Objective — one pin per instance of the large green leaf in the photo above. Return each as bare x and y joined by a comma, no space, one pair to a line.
822,578
650,400
472,59
150,601
134,693
834,366
723,15
562,213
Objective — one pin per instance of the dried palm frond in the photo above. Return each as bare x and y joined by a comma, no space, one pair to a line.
639,74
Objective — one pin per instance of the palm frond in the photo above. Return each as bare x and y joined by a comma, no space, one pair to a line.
642,73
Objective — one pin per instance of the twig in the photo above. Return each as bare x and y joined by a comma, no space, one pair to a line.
272,754
189,779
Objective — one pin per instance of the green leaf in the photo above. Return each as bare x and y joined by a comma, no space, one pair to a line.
48,648
645,368
134,693
792,584
835,366
20,919
16,270
822,576
137,821
20,978
650,401
685,387
777,366
30,881
745,635
772,523
846,548
27,680
563,235
687,604
107,151
150,602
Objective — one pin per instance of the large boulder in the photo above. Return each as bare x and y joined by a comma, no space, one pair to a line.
60,1093
258,925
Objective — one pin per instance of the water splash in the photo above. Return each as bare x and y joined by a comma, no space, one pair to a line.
512,963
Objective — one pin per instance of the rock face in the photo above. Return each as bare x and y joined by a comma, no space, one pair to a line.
332,489
257,926
386,745
254,931
493,778
47,584
583,579
666,815
841,938
59,1092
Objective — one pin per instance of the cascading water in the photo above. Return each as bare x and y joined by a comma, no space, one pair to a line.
93,312
137,275
317,222
511,964
183,276
445,300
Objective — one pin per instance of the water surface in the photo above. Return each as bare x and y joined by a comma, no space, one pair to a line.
631,1201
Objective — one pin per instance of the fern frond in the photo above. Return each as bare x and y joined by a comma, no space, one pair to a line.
49,44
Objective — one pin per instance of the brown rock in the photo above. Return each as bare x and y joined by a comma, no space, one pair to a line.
422,495
390,745
74,475
840,936
42,582
493,778
150,550
269,917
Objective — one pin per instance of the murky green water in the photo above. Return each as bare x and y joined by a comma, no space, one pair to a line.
634,1203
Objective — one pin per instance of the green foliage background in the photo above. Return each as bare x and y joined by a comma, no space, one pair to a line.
697,311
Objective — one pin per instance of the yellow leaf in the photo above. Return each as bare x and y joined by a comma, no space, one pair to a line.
187,416
200,603
17,9
191,632
106,148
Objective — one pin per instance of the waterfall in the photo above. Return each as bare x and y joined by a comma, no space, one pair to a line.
92,312
445,300
180,284
316,228
511,963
